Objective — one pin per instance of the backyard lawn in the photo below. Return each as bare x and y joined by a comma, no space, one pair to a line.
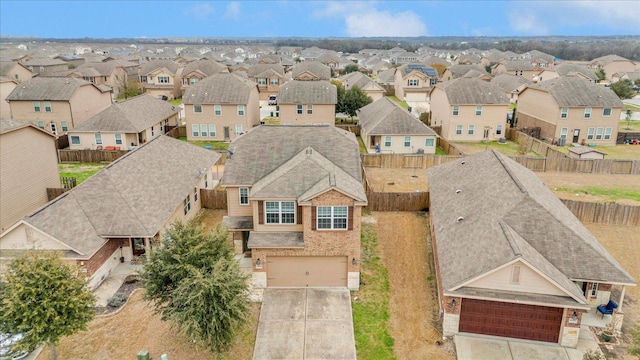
510,148
402,103
80,171
215,145
621,152
622,189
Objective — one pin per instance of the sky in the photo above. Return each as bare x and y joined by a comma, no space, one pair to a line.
318,19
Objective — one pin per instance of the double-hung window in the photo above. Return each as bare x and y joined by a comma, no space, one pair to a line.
75,140
499,129
564,113
203,130
65,126
187,205
36,106
280,212
47,106
587,113
429,142
458,129
240,110
309,109
98,139
332,217
195,194
299,109
217,110
194,130
478,110
387,141
273,81
407,141
607,133
456,110
471,129
413,82
212,130
244,196
238,129
606,112
590,133
563,133
197,108
118,139
599,133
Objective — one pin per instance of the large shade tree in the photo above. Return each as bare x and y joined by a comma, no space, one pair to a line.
44,299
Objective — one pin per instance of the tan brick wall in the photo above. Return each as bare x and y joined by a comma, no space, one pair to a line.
569,315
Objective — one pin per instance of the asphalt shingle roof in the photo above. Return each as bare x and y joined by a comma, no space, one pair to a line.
323,72
574,91
385,117
47,88
223,88
470,91
307,92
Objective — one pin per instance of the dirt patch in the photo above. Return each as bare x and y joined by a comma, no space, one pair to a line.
211,218
623,242
405,244
397,180
136,328
562,182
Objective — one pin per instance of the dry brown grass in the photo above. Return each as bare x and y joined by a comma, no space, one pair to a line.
405,244
211,218
563,182
397,180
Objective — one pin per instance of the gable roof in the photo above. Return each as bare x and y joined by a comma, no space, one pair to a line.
103,68
573,69
519,65
48,88
207,67
9,125
358,79
477,232
44,61
322,71
307,92
510,83
149,67
132,197
422,68
6,66
573,91
387,75
222,88
604,60
385,117
129,116
472,91
265,70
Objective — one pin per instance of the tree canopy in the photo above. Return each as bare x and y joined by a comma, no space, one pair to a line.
349,101
351,68
623,89
44,299
196,284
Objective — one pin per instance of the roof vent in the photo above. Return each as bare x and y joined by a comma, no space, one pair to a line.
460,218
463,162
458,191
309,151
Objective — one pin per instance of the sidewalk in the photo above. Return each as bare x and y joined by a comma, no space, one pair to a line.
112,283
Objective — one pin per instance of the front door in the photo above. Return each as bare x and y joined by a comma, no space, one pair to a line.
226,133
137,246
245,241
576,135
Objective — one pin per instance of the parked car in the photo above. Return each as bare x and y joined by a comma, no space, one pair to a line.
7,343
163,97
273,100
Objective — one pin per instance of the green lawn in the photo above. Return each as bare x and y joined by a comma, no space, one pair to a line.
176,102
215,145
363,148
440,151
371,309
80,171
631,126
620,152
613,194
510,148
402,103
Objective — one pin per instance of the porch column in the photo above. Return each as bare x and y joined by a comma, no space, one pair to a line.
147,246
621,298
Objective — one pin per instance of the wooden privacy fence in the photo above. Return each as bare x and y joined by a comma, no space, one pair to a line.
447,147
604,213
213,199
415,201
53,193
89,156
177,132
351,128
406,161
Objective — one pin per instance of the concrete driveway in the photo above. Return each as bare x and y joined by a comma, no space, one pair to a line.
305,324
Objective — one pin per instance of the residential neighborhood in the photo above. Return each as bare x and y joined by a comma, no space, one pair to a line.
477,202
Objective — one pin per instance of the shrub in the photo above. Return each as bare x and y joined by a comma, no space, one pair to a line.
117,300
592,355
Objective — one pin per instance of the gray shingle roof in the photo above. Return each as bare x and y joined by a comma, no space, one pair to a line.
572,69
603,60
385,117
170,65
265,70
387,76
574,91
461,69
207,67
526,221
8,125
307,92
223,88
5,66
47,88
519,65
103,68
323,72
508,82
130,116
133,196
43,62
472,91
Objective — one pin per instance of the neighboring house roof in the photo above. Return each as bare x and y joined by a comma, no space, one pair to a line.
322,71
469,58
6,66
102,68
387,76
477,232
43,62
460,70
573,69
47,88
223,88
510,83
358,79
328,57
151,66
472,91
9,125
207,67
265,70
408,68
132,197
130,116
519,65
307,92
574,91
604,60
385,117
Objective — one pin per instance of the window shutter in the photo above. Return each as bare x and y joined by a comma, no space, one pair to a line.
260,212
350,218
313,218
299,215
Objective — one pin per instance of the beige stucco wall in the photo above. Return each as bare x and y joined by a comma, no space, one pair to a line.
322,114
401,87
29,163
233,203
86,102
21,72
397,144
618,66
60,111
530,281
6,87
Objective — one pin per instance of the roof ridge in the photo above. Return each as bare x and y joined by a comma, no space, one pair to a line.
511,174
506,229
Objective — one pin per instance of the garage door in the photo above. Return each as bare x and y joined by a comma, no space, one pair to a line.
510,320
320,271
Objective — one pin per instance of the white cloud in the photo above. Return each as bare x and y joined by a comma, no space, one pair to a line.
199,11
233,10
365,19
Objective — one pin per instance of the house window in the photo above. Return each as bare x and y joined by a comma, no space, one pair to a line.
152,131
262,81
163,79
185,81
187,205
238,129
407,141
332,218
143,79
98,139
197,108
195,194
599,133
53,128
118,139
299,109
498,129
75,140
478,110
590,133
587,113
515,274
212,130
41,68
564,113
36,106
203,130
458,129
194,130
607,133
47,106
65,126
217,110
387,141
593,292
274,81
309,109
471,129
606,112
280,212
244,196
456,110
413,82
563,133
41,124
428,142
193,81
240,110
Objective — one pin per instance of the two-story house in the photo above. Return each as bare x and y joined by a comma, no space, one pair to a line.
469,109
307,102
7,85
221,107
57,103
161,78
374,90
14,71
111,73
577,70
295,200
522,68
414,81
311,70
125,124
511,85
197,70
39,66
612,64
570,110
269,78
